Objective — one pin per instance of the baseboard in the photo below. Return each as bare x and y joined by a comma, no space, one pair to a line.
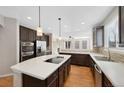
6,75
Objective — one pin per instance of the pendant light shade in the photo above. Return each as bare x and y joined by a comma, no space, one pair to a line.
39,29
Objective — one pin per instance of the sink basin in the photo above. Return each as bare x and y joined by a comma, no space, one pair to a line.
55,60
101,58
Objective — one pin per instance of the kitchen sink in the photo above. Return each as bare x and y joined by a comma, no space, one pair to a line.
55,60
102,58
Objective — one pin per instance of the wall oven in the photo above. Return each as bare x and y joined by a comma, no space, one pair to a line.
26,50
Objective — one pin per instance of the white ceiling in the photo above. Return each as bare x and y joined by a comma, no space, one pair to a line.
72,16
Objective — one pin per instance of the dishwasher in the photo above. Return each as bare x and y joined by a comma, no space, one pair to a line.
98,76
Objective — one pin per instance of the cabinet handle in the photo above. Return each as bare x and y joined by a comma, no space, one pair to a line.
98,70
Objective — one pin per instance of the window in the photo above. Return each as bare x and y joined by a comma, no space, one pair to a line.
67,44
84,44
77,44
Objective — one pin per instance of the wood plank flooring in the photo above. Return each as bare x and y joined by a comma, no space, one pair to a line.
6,81
79,77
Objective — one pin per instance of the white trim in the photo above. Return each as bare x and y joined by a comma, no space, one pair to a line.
6,75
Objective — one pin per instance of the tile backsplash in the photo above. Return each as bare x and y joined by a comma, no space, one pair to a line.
116,55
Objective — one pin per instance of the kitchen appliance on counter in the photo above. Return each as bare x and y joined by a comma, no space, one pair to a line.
40,48
55,60
26,50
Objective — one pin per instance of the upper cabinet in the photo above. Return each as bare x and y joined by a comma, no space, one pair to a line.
30,35
27,35
98,36
121,26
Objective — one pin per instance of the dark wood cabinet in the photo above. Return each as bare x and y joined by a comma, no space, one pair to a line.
61,75
29,81
52,80
68,66
23,34
30,35
54,83
105,81
121,26
27,35
79,59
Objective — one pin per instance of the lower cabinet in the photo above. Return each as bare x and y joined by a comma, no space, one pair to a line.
106,82
56,79
79,59
61,75
52,81
64,72
100,79
98,76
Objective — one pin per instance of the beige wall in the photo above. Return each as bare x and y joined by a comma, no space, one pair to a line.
9,36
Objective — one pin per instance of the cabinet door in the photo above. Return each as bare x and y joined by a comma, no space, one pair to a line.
80,59
27,34
98,76
106,82
23,34
31,35
47,40
121,25
68,66
54,83
65,72
61,76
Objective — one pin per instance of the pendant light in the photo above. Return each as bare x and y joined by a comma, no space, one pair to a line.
39,29
59,28
59,19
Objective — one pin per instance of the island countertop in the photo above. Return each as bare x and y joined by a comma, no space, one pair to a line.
37,67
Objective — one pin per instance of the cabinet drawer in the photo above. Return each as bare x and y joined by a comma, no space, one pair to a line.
52,77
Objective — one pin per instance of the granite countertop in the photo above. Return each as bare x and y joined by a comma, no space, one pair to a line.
37,67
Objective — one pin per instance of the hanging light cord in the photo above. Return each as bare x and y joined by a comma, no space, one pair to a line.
59,27
39,16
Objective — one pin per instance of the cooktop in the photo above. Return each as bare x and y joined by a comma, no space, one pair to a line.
55,60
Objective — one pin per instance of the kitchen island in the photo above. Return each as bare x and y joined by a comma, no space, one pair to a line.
37,72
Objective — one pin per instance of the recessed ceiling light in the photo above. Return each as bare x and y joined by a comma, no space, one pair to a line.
82,23
29,18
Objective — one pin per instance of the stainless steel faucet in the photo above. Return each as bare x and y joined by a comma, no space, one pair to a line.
109,55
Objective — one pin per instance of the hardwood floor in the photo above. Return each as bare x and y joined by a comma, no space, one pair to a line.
80,77
6,81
